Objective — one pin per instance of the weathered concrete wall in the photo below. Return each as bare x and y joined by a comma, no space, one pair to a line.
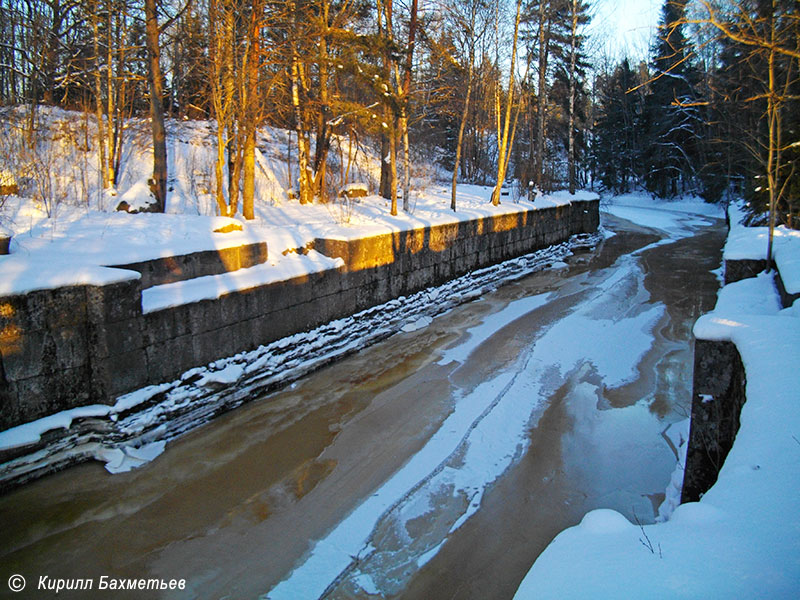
84,345
68,347
787,299
197,264
719,394
736,270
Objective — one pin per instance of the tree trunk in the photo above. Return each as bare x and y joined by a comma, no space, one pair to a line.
249,186
386,176
504,146
393,162
323,130
412,32
461,127
302,143
544,47
572,82
159,182
110,110
252,111
98,100
219,170
390,68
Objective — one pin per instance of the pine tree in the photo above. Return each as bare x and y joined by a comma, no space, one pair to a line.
671,117
616,144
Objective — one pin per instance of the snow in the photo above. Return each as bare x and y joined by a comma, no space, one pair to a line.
124,459
31,433
673,216
164,411
750,243
72,241
138,196
78,245
356,187
742,539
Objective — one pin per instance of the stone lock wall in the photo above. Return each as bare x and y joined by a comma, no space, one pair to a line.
719,394
80,345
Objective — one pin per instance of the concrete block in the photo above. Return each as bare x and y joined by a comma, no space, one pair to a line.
159,326
251,255
232,309
119,373
243,336
204,316
211,345
116,338
24,356
114,302
167,359
21,313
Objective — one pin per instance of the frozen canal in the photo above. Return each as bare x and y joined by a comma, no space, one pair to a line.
438,463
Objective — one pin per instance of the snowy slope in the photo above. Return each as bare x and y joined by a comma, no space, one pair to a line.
68,242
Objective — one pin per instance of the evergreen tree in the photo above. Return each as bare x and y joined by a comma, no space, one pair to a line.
616,135
671,117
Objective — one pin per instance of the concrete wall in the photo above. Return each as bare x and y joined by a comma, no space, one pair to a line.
719,394
719,383
85,344
198,264
736,270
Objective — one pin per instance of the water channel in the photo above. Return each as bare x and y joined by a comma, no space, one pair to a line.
598,349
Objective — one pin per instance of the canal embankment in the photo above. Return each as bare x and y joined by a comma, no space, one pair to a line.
73,354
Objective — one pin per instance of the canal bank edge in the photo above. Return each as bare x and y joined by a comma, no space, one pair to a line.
75,346
719,390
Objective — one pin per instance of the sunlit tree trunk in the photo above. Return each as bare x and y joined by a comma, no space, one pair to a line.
541,112
98,97
461,127
573,51
507,136
159,182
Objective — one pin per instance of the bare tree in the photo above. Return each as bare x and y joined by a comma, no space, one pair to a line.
770,32
158,184
506,139
466,21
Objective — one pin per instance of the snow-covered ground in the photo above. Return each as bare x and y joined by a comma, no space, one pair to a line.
71,241
742,539
750,243
75,247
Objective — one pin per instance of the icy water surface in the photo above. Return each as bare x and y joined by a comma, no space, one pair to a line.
436,464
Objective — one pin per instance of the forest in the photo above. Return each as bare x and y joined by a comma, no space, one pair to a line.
489,91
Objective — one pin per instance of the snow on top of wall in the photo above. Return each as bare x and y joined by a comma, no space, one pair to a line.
750,243
211,287
74,246
69,241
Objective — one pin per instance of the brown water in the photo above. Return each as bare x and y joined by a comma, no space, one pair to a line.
233,506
